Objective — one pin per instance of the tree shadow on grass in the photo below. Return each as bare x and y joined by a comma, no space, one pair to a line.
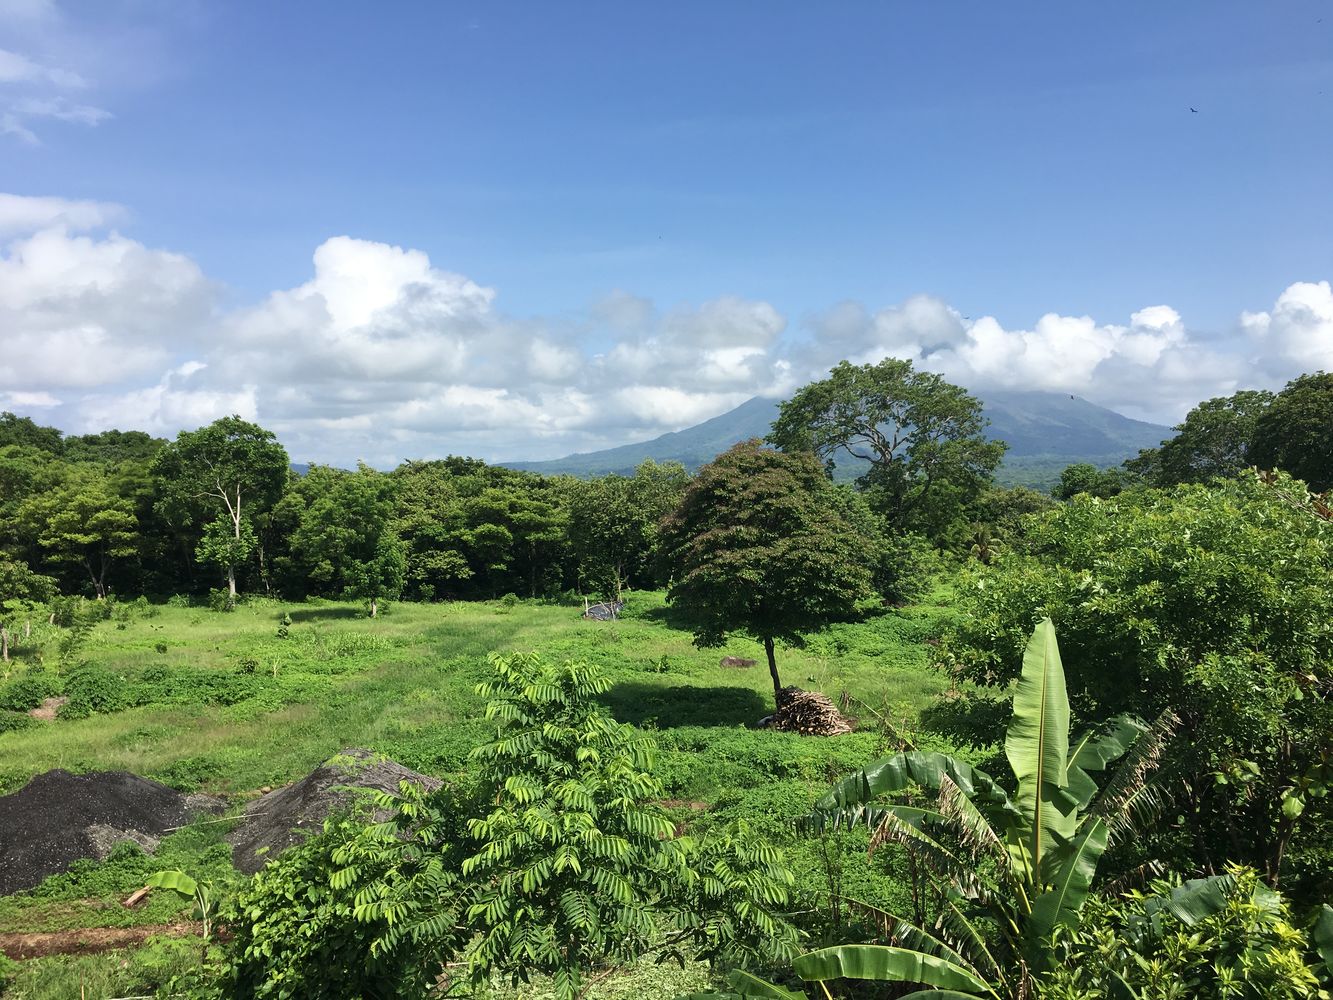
668,615
323,614
668,707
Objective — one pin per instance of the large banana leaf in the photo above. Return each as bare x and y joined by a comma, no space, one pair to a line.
1323,935
1198,899
939,995
887,964
1037,746
176,881
849,801
748,985
1094,750
1076,864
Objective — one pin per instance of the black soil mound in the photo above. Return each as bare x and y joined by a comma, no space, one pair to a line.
288,815
58,817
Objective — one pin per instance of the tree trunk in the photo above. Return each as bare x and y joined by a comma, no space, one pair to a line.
4,644
773,671
236,527
99,584
374,607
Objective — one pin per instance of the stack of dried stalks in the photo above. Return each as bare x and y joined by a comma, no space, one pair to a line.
808,713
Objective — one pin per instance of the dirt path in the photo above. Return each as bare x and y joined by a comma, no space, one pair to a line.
89,940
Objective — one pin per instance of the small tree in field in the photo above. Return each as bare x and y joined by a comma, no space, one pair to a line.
764,543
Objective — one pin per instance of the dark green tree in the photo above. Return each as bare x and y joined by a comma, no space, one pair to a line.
613,524
1211,441
1084,477
762,543
924,440
23,431
1295,432
222,474
86,524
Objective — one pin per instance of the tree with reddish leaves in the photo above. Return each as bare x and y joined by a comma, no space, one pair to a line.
763,543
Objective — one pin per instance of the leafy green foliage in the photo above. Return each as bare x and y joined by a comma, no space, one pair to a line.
1212,442
221,476
28,690
764,543
613,525
314,921
556,861
1008,869
85,523
576,866
923,437
1213,603
1295,432
1083,477
1246,946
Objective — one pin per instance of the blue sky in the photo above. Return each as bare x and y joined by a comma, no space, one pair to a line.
691,202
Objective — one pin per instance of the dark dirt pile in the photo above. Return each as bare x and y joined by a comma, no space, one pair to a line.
58,817
809,713
276,821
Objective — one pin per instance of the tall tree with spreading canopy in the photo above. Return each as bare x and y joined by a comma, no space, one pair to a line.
1295,433
923,437
1210,442
86,524
613,523
345,539
224,473
763,543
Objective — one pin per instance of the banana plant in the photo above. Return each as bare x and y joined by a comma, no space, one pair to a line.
1011,868
188,888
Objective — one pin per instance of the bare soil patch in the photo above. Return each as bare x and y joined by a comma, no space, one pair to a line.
48,709
89,940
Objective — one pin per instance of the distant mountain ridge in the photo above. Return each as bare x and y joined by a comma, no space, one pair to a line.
1045,430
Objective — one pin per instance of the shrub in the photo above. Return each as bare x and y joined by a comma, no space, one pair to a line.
11,722
93,689
1159,946
28,691
1212,602
220,600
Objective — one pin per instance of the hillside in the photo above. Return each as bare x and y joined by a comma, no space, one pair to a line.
1046,431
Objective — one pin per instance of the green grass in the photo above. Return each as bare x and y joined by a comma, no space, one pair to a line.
231,707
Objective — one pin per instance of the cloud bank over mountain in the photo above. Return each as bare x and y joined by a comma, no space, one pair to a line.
384,355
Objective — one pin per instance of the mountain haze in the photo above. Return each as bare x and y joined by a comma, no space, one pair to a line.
1045,430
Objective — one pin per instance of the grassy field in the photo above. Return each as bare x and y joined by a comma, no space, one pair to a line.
220,702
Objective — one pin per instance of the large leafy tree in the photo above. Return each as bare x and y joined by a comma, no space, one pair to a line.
345,538
764,544
1084,477
1212,441
221,476
1210,601
1295,432
923,438
613,524
86,524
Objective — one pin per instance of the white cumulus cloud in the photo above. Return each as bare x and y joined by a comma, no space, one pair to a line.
383,355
